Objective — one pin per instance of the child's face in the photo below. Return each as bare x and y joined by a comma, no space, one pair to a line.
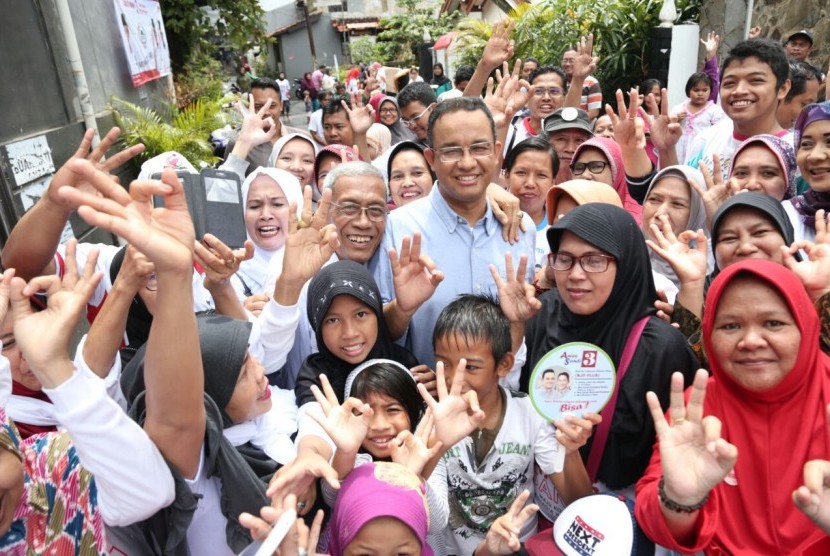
350,329
481,374
251,396
384,536
390,418
699,94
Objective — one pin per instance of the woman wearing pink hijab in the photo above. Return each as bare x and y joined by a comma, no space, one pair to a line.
600,159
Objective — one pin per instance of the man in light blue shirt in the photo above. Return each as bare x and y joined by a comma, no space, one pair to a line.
458,228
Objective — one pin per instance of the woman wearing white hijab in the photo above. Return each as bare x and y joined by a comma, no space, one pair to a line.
295,153
268,192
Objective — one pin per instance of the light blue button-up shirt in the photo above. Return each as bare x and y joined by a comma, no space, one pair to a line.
462,253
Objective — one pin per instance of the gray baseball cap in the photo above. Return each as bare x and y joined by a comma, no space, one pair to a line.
568,118
803,33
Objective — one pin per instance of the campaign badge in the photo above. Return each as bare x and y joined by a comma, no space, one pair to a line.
574,378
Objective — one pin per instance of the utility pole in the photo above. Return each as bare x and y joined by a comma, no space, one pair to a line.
301,5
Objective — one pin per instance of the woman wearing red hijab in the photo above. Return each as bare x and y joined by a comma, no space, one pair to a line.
725,466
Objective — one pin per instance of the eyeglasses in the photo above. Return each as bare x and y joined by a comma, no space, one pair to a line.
592,262
414,121
390,110
595,167
476,150
552,91
375,213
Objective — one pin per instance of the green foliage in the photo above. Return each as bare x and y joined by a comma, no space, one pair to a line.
260,66
398,41
240,26
364,49
545,29
170,129
202,79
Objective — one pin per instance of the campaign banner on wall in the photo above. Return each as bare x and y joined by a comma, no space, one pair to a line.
145,42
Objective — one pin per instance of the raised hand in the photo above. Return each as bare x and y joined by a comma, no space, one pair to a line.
414,275
164,234
517,298
426,376
503,536
509,95
688,262
361,118
456,415
136,271
665,310
585,62
310,246
5,292
67,175
813,498
299,539
412,450
666,130
573,432
256,128
694,457
44,336
629,128
346,424
219,261
754,33
499,47
255,303
717,191
299,476
712,42
812,271
822,219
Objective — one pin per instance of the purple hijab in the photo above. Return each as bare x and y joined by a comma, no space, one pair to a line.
811,201
375,490
783,152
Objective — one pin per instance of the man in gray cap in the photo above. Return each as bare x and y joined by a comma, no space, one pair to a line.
799,45
566,129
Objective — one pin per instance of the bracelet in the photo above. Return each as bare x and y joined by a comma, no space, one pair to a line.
673,506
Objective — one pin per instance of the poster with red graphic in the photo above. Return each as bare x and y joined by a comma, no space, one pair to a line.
145,42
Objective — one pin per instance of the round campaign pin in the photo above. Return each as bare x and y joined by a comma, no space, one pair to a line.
574,378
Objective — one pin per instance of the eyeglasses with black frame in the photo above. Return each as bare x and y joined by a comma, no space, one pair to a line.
590,262
476,150
416,119
595,167
375,213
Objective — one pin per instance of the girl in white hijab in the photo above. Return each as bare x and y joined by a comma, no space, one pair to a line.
268,192
295,153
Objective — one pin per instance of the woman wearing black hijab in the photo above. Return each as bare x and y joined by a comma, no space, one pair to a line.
601,305
749,225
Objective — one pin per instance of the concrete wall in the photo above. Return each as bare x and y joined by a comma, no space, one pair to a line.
37,91
296,54
725,17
